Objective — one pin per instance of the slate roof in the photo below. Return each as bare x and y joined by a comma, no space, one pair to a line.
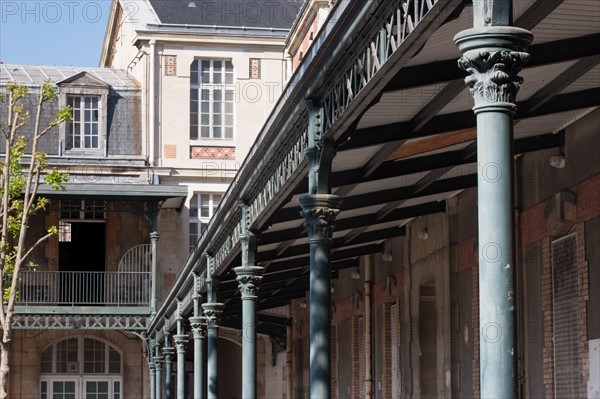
36,74
279,14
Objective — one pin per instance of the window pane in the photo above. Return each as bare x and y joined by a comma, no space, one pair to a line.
93,356
66,356
114,361
228,132
214,75
46,360
216,200
218,96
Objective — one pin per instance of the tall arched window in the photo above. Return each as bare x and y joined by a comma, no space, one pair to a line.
81,367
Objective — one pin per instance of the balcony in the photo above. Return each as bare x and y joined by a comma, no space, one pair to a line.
56,288
88,299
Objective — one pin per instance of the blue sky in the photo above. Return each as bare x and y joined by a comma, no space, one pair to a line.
52,32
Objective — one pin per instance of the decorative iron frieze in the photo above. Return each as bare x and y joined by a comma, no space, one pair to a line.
372,55
69,322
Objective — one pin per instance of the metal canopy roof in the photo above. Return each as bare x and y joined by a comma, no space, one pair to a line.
413,147
174,196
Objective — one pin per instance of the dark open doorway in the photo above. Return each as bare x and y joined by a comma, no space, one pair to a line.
428,341
82,250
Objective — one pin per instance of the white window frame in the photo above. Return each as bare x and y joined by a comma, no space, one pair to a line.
80,378
83,131
80,384
196,202
206,118
101,93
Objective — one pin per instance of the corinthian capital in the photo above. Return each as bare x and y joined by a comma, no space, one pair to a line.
320,211
493,75
493,57
198,325
180,343
212,312
249,278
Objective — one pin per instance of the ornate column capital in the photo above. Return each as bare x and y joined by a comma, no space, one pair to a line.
493,57
154,236
198,325
320,211
212,312
249,278
168,353
181,342
152,366
158,364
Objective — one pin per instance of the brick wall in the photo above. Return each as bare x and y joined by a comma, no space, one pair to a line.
51,245
113,249
538,224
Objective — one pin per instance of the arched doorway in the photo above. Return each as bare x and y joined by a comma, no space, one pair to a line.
81,367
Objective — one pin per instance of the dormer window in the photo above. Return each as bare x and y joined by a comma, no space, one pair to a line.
87,133
83,131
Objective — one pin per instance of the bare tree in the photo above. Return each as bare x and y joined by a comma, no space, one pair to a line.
20,178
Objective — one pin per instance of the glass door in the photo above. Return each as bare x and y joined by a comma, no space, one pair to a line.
96,389
59,389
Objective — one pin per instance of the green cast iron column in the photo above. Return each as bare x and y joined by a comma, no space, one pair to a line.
319,209
212,311
152,369
154,236
168,355
181,341
249,277
158,364
198,325
493,54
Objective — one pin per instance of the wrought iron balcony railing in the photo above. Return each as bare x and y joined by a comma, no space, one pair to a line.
122,288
